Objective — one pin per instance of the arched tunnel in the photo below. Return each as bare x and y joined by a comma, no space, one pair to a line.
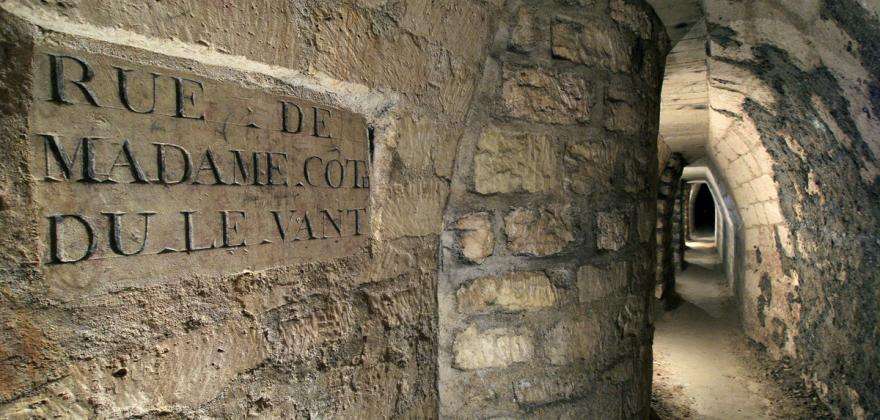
751,257
491,209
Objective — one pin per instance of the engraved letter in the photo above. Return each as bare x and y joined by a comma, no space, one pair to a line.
122,79
287,125
306,169
273,168
56,70
282,232
182,97
188,233
162,176
328,171
66,163
225,227
337,226
321,117
55,221
208,158
357,220
131,163
256,159
306,223
242,168
116,232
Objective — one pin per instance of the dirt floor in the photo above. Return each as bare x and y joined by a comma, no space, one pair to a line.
705,368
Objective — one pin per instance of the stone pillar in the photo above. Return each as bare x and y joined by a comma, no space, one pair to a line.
547,256
678,225
670,179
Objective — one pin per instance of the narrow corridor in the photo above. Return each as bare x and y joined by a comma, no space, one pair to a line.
703,366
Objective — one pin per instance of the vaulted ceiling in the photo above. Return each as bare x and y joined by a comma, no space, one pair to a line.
684,111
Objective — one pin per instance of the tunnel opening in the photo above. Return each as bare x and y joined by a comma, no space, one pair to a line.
703,213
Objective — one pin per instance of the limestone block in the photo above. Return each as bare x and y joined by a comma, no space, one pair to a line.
412,209
588,167
522,33
571,339
632,16
593,44
475,236
508,162
543,96
598,283
623,117
493,348
511,292
632,318
549,388
613,230
537,232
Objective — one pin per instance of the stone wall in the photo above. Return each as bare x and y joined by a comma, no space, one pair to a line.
351,337
512,189
795,123
547,256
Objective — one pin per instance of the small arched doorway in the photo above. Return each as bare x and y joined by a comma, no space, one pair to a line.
702,213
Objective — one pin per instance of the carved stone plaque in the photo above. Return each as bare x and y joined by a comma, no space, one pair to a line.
144,173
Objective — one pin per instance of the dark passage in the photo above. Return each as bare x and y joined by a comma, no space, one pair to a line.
704,212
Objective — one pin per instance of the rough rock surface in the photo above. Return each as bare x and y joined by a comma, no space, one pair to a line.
560,155
510,292
475,236
515,162
537,232
376,333
795,123
351,337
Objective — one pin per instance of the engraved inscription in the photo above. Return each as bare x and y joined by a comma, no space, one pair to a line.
145,173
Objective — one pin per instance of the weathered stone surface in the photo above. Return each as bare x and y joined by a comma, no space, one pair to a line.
522,33
613,230
135,184
589,166
623,117
541,232
415,210
510,161
511,292
554,387
475,236
544,96
570,340
230,332
493,348
599,283
591,43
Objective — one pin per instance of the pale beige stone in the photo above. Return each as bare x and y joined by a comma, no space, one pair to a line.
513,162
598,283
475,236
572,339
539,232
549,388
589,167
494,348
541,96
412,209
511,292
613,230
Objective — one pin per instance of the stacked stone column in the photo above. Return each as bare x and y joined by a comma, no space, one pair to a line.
547,255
